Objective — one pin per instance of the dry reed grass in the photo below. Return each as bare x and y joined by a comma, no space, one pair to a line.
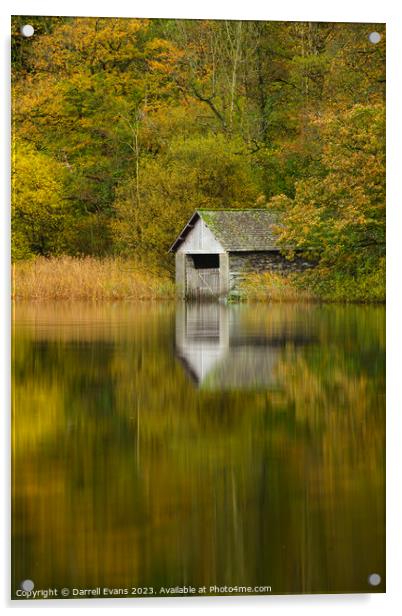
274,287
87,278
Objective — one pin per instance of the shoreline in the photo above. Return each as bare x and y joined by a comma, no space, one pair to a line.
117,279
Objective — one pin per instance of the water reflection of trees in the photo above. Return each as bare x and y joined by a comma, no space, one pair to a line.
127,473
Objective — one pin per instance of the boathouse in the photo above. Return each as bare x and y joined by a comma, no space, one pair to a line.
217,248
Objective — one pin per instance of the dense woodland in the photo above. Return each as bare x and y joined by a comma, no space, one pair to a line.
122,127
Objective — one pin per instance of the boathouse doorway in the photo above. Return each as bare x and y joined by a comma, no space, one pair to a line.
202,275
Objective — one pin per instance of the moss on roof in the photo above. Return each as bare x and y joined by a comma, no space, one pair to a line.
236,229
245,229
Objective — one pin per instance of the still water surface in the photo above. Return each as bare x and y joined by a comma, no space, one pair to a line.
162,445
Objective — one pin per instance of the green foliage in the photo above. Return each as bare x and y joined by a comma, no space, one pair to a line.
339,219
138,122
365,284
39,214
195,172
81,102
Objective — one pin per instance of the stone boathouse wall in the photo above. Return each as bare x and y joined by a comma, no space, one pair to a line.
241,263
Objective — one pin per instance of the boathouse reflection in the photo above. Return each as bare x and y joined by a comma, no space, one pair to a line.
221,350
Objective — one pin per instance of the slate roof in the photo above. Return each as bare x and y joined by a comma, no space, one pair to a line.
236,230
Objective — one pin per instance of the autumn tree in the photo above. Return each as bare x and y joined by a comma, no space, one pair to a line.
137,122
89,85
339,219
40,213
194,172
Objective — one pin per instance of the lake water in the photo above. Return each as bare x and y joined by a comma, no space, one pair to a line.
161,445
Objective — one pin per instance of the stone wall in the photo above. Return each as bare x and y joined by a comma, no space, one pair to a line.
241,263
234,266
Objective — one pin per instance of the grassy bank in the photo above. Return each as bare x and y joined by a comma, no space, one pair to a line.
318,284
88,278
271,287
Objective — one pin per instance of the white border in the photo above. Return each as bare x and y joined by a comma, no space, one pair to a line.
293,10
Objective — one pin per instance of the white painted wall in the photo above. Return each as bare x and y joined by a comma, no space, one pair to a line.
201,240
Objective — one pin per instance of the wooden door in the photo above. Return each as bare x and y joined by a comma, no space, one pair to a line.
202,282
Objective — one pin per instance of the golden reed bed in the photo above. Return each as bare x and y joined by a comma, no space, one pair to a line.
87,278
